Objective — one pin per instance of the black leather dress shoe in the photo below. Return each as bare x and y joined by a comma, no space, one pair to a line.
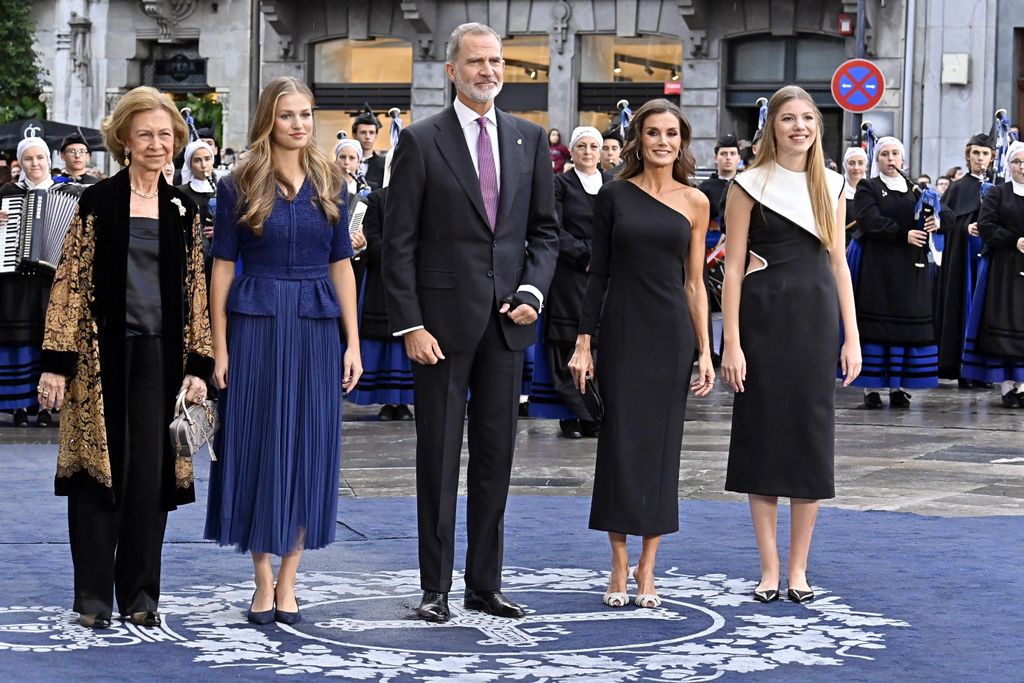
97,621
150,619
44,419
403,414
872,401
492,602
434,607
899,399
21,418
590,429
386,413
1011,399
570,429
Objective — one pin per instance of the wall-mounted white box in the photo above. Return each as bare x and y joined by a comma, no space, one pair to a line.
956,68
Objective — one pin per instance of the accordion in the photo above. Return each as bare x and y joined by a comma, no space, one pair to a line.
37,223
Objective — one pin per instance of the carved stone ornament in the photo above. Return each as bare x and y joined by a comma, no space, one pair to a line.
560,13
167,13
80,46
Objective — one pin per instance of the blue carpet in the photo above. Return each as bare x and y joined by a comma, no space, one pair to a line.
901,597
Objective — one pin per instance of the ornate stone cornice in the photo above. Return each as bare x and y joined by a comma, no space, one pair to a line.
168,14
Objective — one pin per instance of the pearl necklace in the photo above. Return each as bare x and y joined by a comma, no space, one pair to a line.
142,194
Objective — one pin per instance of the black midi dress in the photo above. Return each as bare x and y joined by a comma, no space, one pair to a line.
783,423
636,291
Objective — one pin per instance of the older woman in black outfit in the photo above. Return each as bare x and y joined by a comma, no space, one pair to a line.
126,329
647,289
553,394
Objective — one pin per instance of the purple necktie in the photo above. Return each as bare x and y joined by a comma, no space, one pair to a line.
488,173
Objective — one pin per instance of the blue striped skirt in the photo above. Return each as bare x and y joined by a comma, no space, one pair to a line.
977,364
387,374
19,375
887,365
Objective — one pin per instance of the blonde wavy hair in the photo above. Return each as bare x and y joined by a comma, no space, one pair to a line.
257,180
817,186
117,125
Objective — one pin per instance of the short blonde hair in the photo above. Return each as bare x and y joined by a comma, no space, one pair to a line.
116,126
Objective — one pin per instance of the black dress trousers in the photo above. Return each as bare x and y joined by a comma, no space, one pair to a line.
117,548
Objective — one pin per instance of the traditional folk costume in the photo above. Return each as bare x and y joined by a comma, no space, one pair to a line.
994,347
892,288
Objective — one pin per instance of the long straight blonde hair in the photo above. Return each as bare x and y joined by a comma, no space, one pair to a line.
257,180
817,186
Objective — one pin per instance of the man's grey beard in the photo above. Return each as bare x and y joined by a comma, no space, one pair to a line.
472,92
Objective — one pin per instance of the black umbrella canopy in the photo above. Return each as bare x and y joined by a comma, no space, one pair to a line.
52,132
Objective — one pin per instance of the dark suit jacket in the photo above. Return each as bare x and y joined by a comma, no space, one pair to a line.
375,170
443,267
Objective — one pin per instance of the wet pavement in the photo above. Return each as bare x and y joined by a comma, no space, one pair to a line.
953,453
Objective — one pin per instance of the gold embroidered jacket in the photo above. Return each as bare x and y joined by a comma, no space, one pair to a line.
85,335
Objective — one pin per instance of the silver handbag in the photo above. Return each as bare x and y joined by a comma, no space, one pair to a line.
193,427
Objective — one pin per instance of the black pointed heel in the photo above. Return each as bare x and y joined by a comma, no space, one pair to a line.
259,618
766,596
799,596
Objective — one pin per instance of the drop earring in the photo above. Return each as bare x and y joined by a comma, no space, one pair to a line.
638,154
127,160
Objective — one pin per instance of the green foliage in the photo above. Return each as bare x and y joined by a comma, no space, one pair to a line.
19,64
206,111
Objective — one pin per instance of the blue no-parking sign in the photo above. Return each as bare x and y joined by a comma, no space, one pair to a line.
858,85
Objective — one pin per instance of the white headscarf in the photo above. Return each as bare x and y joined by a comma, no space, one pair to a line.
851,189
584,132
186,169
1016,148
887,141
348,142
23,147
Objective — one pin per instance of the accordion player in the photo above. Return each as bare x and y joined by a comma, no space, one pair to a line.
35,214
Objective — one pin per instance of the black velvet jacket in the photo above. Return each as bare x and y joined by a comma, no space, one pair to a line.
85,335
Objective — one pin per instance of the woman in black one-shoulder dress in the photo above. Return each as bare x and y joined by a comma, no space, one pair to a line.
787,286
646,288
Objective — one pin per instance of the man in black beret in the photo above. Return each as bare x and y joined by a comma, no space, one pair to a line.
611,150
961,204
364,129
75,153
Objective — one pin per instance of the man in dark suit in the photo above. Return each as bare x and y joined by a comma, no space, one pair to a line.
365,128
470,245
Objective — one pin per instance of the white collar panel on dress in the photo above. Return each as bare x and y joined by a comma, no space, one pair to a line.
896,183
785,192
1018,188
591,183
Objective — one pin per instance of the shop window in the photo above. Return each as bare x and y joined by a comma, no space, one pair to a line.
651,59
378,60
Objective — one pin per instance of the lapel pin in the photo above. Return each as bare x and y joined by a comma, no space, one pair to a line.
519,141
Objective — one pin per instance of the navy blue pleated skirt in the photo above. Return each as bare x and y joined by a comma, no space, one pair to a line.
274,485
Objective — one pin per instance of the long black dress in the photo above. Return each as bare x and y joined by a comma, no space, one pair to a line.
636,290
783,423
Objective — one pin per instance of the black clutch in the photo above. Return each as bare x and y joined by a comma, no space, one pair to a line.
592,402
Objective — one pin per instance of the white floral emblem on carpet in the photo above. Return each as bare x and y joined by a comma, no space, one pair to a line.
361,627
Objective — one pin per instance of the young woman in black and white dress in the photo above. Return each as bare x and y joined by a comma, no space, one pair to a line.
786,288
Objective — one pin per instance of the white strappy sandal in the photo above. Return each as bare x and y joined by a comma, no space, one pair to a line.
615,599
648,600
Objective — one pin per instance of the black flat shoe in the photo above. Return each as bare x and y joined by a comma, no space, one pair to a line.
769,595
259,618
899,399
570,429
872,401
524,409
590,429
493,603
95,621
1012,399
150,619
386,414
20,418
434,607
1020,399
800,596
403,414
44,419
288,618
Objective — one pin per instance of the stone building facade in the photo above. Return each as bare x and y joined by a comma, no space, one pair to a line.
567,60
